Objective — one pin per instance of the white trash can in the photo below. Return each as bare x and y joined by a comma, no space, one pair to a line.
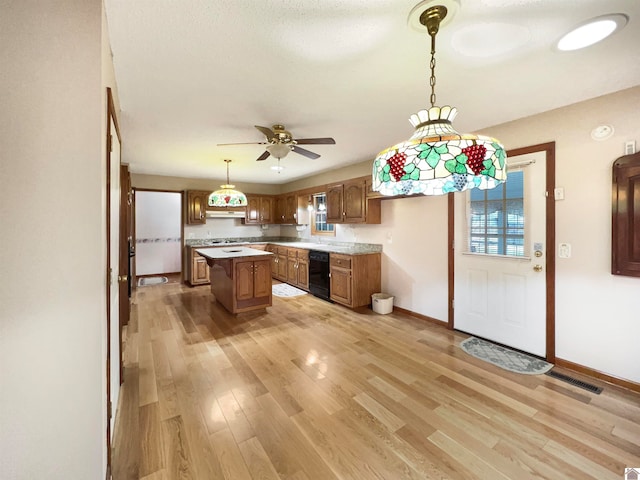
382,303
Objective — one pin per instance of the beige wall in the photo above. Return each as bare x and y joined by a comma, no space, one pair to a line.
597,314
161,182
52,287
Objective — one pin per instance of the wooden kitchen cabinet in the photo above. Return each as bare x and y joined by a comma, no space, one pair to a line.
298,268
259,210
286,209
198,271
253,280
197,207
347,203
354,278
281,264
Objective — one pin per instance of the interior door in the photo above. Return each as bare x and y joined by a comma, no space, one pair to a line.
500,259
114,268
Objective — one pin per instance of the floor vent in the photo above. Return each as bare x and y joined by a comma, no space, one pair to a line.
573,381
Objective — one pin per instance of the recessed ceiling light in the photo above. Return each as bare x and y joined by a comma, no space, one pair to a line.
592,31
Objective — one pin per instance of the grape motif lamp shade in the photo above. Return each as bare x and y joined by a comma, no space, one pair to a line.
226,196
436,159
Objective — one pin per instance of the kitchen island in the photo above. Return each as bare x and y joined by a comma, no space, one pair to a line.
240,277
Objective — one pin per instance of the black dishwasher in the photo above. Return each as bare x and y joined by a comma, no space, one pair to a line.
319,273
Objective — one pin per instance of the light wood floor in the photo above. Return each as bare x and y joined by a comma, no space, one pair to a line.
310,390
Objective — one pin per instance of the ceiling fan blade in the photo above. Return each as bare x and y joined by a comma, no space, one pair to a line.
245,143
264,156
315,141
267,132
305,152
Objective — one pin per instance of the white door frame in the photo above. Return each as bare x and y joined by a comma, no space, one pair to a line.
550,241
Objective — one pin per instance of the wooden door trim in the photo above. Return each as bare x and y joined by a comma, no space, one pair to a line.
550,239
111,117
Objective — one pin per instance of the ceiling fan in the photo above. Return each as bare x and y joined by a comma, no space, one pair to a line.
280,142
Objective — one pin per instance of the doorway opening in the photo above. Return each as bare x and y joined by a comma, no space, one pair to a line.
158,235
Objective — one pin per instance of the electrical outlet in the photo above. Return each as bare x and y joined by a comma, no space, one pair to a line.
564,250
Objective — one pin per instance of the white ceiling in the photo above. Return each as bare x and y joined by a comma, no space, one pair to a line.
195,73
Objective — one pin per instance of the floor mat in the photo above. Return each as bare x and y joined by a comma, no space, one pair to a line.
146,281
286,290
504,358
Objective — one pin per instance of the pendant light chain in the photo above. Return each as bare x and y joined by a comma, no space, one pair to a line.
432,65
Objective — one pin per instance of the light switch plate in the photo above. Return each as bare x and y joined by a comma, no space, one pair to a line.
630,147
558,193
564,250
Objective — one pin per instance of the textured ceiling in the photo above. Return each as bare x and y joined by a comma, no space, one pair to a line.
195,73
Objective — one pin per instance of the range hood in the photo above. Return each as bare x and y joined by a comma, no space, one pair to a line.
224,213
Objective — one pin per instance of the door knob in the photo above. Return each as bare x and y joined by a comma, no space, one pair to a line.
537,268
123,278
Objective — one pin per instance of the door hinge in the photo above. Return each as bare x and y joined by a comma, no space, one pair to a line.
453,303
109,410
110,142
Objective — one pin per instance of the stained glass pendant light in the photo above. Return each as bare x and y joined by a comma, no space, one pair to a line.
227,196
436,159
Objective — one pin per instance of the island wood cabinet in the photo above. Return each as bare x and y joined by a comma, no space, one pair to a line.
253,282
298,268
347,203
354,278
260,210
240,278
197,207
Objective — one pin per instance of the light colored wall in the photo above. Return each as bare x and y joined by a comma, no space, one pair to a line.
52,241
161,182
597,314
413,235
158,230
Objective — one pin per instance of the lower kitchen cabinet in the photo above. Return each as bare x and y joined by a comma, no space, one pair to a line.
354,278
198,270
298,268
253,280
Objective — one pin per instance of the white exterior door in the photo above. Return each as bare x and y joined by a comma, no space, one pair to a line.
500,286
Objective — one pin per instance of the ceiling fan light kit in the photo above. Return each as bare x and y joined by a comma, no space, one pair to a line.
226,196
437,160
279,142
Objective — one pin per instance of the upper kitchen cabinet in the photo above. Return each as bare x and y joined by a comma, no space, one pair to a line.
197,207
291,209
259,210
347,203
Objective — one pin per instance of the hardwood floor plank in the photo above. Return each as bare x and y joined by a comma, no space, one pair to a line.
152,453
308,390
126,439
229,456
257,460
178,455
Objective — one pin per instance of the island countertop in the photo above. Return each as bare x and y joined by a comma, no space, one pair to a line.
230,252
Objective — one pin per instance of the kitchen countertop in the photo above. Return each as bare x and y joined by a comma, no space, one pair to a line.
230,251
346,249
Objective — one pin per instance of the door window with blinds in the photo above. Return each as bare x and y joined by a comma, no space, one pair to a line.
496,218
